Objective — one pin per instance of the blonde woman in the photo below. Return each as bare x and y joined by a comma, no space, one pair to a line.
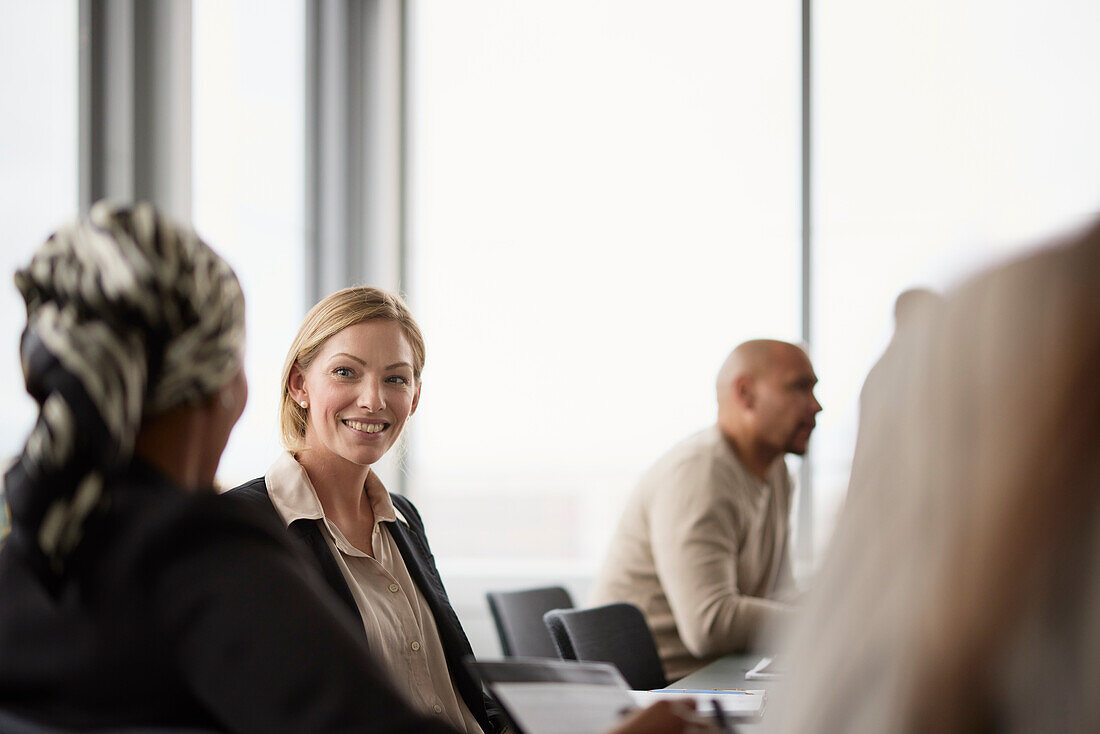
351,381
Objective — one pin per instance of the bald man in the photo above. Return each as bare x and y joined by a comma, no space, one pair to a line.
702,545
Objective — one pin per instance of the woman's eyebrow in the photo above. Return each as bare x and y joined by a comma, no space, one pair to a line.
349,356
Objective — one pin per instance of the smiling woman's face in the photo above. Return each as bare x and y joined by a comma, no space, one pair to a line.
360,390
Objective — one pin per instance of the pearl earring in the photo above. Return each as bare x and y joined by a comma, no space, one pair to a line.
304,404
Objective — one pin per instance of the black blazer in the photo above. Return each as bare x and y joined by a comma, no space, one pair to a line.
173,612
413,545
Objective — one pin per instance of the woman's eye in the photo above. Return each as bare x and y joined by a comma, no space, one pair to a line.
342,372
398,380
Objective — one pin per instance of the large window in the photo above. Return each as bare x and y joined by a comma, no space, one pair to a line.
248,118
38,170
947,135
604,201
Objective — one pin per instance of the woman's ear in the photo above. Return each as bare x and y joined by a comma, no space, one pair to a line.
296,384
416,398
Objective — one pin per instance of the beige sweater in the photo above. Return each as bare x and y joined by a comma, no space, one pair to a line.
700,546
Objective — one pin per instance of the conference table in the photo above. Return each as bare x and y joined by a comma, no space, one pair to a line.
729,672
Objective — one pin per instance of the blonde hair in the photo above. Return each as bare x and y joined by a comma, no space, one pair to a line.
962,569
329,317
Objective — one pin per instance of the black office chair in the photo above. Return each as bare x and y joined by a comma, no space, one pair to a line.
518,616
614,633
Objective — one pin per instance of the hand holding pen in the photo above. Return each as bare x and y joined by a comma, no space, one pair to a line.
666,717
720,716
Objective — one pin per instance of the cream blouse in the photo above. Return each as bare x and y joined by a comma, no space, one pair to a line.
400,628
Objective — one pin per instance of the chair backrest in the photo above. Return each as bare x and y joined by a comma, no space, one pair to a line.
614,633
518,616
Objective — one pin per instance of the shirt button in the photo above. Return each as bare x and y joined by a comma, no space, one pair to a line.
394,588
415,645
437,708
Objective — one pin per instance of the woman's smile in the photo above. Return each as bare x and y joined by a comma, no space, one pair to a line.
366,427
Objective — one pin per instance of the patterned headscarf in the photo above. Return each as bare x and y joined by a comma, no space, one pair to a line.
128,315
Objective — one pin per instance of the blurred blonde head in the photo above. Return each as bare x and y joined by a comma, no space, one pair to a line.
962,588
329,317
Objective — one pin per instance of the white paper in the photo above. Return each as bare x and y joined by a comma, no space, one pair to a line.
563,708
735,704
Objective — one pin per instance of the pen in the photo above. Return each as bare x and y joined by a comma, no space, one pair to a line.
720,715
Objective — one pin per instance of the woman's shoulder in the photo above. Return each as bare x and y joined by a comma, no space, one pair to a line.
253,491
150,526
178,513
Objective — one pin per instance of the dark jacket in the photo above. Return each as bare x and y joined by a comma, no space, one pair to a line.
186,610
413,545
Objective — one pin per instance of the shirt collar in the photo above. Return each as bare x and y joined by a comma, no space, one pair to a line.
295,498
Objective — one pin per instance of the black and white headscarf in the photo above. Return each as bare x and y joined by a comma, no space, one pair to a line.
128,314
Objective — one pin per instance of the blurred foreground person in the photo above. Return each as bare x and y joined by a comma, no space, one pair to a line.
962,589
130,594
702,547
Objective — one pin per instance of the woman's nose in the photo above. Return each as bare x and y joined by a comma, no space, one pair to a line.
371,397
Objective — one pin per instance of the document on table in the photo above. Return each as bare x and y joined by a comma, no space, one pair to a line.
569,697
736,704
563,708
544,696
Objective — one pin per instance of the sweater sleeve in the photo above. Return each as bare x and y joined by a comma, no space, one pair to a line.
696,539
254,637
